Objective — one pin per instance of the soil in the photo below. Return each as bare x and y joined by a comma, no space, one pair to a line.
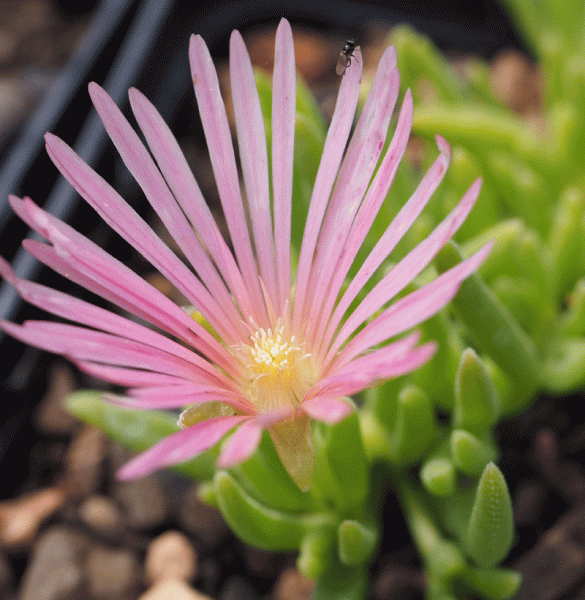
71,531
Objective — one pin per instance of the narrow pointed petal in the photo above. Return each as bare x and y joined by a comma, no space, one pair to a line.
223,162
327,410
410,310
411,265
284,86
353,180
253,158
333,150
183,185
76,254
393,234
179,447
127,377
241,445
143,169
375,196
293,442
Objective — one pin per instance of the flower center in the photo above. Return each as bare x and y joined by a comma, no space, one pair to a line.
280,371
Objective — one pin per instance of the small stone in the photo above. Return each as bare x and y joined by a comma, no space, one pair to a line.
143,501
112,573
84,461
172,589
51,415
21,518
101,514
291,585
205,522
54,570
170,555
6,577
237,588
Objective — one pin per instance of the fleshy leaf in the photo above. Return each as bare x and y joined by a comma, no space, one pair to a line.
493,584
470,453
137,430
439,476
491,526
476,398
356,542
259,525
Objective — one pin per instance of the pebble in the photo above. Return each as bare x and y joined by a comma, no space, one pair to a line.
84,461
203,521
170,555
112,573
6,577
291,585
101,514
21,518
54,571
173,589
143,502
51,416
237,588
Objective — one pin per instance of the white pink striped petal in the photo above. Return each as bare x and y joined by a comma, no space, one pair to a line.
128,377
372,369
410,266
284,86
393,234
241,445
327,410
410,310
223,161
183,185
253,158
179,447
333,151
352,182
96,265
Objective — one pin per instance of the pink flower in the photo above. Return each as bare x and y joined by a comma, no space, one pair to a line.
282,355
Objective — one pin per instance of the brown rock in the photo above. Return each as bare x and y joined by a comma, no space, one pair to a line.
203,521
51,416
143,502
112,573
102,514
170,555
20,519
54,571
173,589
291,585
6,577
84,461
515,81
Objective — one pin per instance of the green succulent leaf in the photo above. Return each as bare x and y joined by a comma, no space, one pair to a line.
439,477
136,429
490,531
356,542
260,525
470,453
492,584
477,401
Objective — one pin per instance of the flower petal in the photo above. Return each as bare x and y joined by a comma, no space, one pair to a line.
284,86
241,445
179,446
412,309
333,151
253,158
328,410
410,266
223,162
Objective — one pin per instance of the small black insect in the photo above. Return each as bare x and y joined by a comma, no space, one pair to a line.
345,57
